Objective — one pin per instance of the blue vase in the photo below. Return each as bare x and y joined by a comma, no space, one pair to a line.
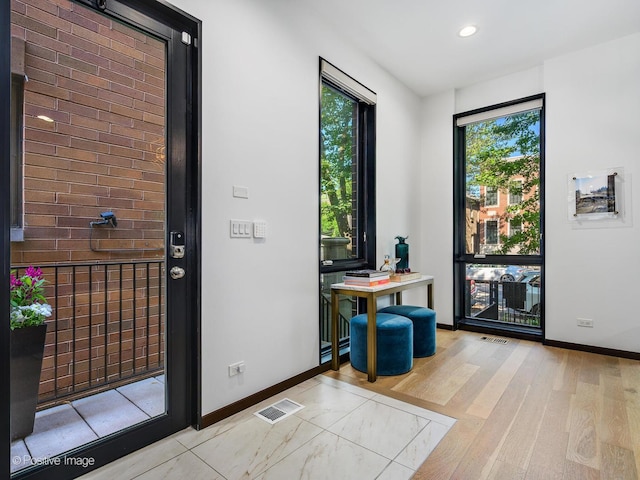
402,252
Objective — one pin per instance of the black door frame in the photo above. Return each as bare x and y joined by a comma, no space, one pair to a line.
183,211
461,258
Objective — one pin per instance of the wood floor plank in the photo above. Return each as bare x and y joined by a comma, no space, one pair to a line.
614,423
486,401
438,381
521,439
504,471
633,416
584,443
444,460
590,368
567,376
618,463
577,471
438,388
630,374
549,452
483,453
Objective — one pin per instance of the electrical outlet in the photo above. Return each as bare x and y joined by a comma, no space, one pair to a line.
236,368
585,322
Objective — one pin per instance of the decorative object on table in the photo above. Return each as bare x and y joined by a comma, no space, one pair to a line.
389,264
402,252
366,278
29,310
386,266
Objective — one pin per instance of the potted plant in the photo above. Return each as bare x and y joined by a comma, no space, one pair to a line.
29,309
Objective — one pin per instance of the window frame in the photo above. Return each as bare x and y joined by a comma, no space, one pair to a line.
461,257
366,191
496,222
16,160
513,231
494,191
510,195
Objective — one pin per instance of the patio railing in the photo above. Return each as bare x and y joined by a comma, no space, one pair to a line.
107,326
325,324
508,302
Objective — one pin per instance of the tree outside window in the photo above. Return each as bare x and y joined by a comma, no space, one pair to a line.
503,157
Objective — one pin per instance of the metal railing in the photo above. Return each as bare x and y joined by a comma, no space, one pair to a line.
107,326
508,302
325,324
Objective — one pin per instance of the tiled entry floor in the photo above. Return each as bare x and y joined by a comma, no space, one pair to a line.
342,432
59,429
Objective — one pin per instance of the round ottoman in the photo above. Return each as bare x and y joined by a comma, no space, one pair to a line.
394,341
424,327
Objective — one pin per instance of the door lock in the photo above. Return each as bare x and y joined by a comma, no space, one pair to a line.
176,245
176,272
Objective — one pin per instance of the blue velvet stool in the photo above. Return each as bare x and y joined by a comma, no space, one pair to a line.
424,327
394,341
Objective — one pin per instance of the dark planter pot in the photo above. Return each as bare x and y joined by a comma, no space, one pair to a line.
27,349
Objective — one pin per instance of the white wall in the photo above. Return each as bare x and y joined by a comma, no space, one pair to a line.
260,130
437,200
592,104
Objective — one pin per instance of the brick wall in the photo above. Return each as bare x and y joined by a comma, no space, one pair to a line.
103,85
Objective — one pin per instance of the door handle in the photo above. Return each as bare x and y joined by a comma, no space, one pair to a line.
176,272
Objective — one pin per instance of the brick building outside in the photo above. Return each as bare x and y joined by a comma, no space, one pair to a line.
89,138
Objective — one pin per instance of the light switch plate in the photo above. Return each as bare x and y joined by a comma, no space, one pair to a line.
240,191
240,228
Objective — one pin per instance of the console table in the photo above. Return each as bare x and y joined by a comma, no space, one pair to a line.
371,294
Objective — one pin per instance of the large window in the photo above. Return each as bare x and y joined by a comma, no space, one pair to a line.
347,187
499,158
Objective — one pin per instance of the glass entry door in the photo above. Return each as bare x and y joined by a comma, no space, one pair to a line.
102,247
499,217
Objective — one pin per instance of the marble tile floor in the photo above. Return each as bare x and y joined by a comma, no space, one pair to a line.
343,432
67,426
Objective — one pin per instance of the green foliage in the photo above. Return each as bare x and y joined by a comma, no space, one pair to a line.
505,154
336,162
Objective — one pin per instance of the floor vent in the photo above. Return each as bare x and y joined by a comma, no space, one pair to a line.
502,341
278,411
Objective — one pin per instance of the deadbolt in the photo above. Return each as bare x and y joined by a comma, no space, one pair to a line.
176,272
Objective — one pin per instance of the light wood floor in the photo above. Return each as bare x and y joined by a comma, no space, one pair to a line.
524,411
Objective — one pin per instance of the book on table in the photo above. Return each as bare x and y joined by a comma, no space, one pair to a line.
373,283
366,273
405,277
366,281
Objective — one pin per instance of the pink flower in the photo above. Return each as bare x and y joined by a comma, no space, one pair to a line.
32,272
15,282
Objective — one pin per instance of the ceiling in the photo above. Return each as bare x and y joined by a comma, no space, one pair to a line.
417,40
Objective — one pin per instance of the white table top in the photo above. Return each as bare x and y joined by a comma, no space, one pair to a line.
381,288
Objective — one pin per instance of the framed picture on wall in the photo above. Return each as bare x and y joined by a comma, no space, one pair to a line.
596,195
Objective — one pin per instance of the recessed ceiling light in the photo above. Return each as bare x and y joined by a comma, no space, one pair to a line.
467,30
45,118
